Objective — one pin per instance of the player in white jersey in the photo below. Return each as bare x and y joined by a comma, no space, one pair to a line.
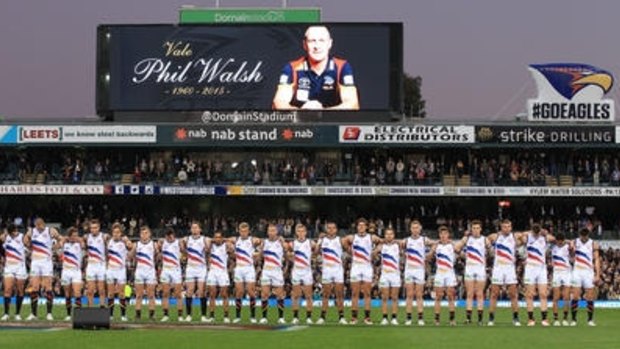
95,268
560,258
245,274
586,274
14,245
504,273
41,241
170,278
360,246
72,252
445,252
535,275
196,247
300,254
389,281
219,255
118,248
332,278
272,276
415,270
476,246
145,253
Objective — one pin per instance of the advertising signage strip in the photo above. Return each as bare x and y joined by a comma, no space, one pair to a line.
144,68
406,134
86,134
249,15
546,135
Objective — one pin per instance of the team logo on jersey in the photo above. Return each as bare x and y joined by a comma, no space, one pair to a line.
571,92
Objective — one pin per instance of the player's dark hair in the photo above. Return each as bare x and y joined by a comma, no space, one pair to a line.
584,232
560,236
536,228
476,222
170,232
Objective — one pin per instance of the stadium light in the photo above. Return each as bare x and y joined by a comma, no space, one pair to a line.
234,165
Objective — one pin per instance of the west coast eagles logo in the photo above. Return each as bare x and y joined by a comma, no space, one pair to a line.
571,92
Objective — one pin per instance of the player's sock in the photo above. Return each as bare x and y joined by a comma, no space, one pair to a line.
420,315
354,314
7,305
138,314
367,314
555,316
590,310
280,308
19,300
68,305
565,314
49,296
225,313
384,316
151,314
296,314
323,313
123,306
408,316
452,315
308,314
468,315
480,312
180,313
437,317
340,314
111,305
165,312
34,302
203,306
543,315
211,314
252,307
78,302
491,316
574,304
394,316
264,303
530,315
515,315
188,305
238,307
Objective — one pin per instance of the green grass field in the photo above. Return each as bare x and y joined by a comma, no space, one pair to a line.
503,335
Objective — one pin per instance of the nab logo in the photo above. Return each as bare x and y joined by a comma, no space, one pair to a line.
351,133
572,81
181,134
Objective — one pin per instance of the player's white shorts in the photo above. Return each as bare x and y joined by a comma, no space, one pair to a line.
390,279
95,272
583,278
415,276
43,268
15,271
504,275
272,278
332,275
218,278
245,274
361,273
195,274
534,275
145,276
118,276
475,273
562,278
170,276
70,276
302,277
445,279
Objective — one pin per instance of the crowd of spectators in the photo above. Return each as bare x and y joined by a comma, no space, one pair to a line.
345,167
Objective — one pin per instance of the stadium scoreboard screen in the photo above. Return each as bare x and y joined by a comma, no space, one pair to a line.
257,67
